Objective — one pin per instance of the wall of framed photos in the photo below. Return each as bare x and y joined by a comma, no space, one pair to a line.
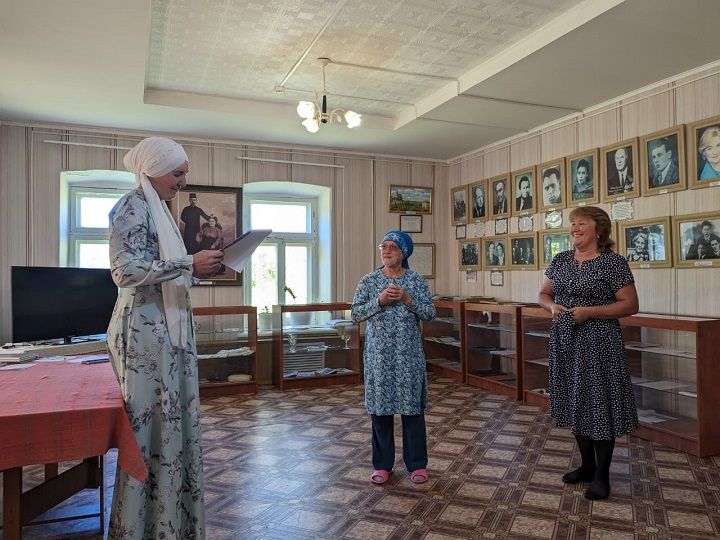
656,139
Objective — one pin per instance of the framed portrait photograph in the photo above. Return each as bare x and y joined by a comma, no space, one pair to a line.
523,196
411,223
704,153
209,218
581,170
551,185
523,251
662,161
460,232
645,243
478,201
494,249
619,171
553,241
459,197
499,188
404,199
468,255
696,240
423,260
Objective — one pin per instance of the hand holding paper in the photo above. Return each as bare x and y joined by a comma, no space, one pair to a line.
241,249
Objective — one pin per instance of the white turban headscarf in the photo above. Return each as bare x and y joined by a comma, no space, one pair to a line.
153,157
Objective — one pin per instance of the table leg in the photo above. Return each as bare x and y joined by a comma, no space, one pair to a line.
12,497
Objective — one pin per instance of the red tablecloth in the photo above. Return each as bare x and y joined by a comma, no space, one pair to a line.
55,412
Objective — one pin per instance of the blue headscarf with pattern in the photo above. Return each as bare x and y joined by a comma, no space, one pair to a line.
404,242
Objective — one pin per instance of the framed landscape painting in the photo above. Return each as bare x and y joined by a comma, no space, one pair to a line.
404,199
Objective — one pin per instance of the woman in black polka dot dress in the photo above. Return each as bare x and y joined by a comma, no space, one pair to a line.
587,289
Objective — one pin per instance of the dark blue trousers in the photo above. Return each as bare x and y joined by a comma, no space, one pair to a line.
414,442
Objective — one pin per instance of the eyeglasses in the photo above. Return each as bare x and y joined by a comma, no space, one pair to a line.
388,247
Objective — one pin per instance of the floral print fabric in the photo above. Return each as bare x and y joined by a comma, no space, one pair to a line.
395,375
159,384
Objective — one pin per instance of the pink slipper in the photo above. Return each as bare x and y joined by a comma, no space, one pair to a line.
419,476
380,476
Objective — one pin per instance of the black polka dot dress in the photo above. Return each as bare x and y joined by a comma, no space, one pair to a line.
589,381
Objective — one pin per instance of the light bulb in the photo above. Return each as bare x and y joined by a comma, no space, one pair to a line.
311,124
306,109
353,119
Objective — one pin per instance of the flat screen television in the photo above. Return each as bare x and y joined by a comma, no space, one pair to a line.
52,303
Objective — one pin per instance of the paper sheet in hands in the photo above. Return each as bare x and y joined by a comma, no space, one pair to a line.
241,249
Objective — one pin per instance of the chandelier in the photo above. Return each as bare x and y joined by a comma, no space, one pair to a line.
314,114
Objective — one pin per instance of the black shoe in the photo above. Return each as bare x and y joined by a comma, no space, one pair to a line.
578,475
598,490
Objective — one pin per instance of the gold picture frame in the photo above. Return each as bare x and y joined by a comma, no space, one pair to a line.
478,210
499,191
459,205
692,231
701,152
469,255
664,149
581,172
523,251
552,242
407,199
620,170
646,243
551,185
524,196
492,260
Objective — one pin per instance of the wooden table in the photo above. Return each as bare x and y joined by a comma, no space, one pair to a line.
55,412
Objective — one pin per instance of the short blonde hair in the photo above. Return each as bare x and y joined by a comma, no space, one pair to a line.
712,131
602,224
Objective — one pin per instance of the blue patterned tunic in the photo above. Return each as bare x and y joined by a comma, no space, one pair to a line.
395,375
159,384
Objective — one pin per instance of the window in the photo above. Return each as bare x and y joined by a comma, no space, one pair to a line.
88,197
287,260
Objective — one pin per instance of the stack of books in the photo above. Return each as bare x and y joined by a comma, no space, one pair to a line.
17,355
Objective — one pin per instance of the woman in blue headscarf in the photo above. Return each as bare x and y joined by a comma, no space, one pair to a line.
393,299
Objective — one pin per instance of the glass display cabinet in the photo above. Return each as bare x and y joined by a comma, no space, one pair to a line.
442,340
226,340
673,368
493,348
314,345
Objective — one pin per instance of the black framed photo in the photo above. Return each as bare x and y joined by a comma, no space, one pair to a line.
696,240
478,201
620,171
646,243
582,174
459,205
551,184
500,189
411,223
460,232
524,199
704,153
523,251
468,255
209,217
662,161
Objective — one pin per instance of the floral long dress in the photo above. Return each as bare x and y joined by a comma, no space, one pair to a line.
159,384
395,374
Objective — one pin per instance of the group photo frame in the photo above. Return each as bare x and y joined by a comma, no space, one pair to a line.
495,252
499,190
459,202
523,197
405,199
209,217
581,171
662,161
469,255
696,240
704,153
552,242
646,243
620,170
523,251
478,201
551,185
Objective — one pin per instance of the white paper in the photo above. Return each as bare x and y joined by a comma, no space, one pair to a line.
241,249
621,210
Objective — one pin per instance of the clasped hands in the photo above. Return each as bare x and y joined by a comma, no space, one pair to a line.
579,314
394,293
207,262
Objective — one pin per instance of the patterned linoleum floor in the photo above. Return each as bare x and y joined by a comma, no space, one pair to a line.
295,465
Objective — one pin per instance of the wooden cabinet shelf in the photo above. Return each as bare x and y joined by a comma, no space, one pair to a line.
493,348
314,345
674,373
442,340
226,340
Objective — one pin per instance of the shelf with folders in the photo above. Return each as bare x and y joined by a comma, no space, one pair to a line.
226,339
443,340
315,345
493,348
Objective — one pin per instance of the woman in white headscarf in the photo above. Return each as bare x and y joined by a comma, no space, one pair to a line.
152,349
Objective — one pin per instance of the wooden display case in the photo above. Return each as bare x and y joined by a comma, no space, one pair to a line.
672,362
226,340
443,340
315,345
493,348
